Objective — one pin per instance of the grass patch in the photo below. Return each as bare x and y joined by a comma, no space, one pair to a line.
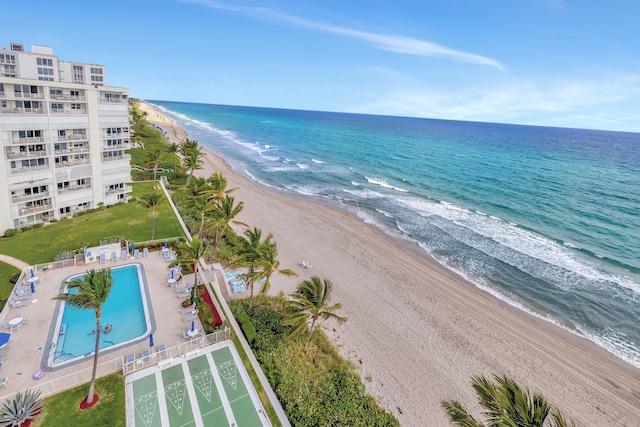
131,219
6,287
63,409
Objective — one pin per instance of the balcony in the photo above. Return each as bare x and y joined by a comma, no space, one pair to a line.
61,97
16,155
72,162
125,189
113,100
27,140
35,209
68,111
72,150
73,137
28,95
29,197
2,94
23,110
69,189
114,158
29,169
124,145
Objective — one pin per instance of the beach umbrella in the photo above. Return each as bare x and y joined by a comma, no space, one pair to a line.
33,274
33,288
193,325
150,340
164,245
132,247
4,338
172,274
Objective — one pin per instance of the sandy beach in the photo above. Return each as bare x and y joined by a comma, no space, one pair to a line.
416,332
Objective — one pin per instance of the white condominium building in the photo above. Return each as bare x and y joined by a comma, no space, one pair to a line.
63,134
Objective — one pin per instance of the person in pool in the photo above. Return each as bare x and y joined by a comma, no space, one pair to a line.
107,328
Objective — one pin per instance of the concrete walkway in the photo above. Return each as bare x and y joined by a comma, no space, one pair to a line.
13,261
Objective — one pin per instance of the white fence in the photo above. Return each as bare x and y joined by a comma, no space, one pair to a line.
118,365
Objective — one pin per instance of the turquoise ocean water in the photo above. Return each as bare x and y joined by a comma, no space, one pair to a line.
547,219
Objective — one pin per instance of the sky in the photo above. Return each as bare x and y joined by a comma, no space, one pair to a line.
567,63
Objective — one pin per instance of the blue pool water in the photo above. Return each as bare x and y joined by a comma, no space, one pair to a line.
125,309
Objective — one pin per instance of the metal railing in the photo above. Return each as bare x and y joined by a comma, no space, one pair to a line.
28,197
72,137
84,149
26,154
35,209
114,158
29,169
73,188
83,376
27,139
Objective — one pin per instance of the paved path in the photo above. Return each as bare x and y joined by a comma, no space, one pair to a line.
13,261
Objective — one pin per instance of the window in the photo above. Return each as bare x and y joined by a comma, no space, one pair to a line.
56,108
95,70
45,61
7,59
74,92
45,71
76,106
78,74
8,71
97,78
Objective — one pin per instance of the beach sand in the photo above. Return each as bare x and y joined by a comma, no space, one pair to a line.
416,332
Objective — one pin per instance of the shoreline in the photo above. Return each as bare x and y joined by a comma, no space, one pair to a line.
448,329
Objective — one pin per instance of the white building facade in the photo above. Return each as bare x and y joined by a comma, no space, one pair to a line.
63,134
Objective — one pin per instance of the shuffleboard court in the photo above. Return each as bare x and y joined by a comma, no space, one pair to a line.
209,387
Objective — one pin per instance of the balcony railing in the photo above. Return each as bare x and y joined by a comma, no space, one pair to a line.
67,97
72,162
23,110
125,189
68,111
28,95
29,169
12,155
35,209
113,100
73,188
113,158
27,139
122,146
73,137
72,150
29,197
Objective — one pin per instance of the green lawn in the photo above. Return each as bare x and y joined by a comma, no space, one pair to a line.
6,272
63,409
130,220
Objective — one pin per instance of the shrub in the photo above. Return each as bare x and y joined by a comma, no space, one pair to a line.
247,327
10,232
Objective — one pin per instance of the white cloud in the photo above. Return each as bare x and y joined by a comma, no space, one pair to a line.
572,103
392,43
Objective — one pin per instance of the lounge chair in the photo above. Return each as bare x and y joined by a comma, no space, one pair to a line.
184,294
103,258
191,316
145,356
188,310
162,351
136,253
26,320
4,382
6,325
114,256
124,254
14,303
145,252
130,360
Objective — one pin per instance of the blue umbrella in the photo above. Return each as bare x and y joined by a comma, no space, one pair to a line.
4,338
132,247
193,325
33,288
150,340
165,245
32,273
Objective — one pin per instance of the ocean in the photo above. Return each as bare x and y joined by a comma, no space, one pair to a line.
546,219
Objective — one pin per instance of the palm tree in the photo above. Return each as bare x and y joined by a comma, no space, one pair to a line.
92,292
23,407
187,145
193,161
506,405
249,254
154,158
310,302
269,264
152,200
224,213
219,186
190,253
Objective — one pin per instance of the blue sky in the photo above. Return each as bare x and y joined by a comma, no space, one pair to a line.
564,63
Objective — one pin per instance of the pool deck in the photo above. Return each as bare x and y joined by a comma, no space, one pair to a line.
28,344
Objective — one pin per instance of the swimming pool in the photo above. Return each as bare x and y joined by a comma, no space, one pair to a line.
127,309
